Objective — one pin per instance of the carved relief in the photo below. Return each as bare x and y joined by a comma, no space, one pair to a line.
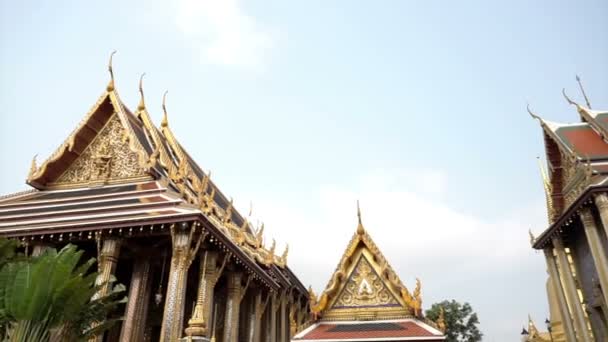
107,157
364,288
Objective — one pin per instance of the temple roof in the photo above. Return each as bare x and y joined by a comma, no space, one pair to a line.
388,330
365,297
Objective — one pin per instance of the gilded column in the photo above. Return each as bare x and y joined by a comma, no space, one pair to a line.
181,258
559,292
198,325
601,201
134,323
597,250
108,257
236,292
571,291
272,319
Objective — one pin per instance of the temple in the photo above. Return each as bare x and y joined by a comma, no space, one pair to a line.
128,193
365,301
575,244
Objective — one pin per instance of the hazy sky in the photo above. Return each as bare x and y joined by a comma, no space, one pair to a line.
417,108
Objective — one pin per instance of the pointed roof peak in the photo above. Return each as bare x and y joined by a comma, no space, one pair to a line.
110,86
360,229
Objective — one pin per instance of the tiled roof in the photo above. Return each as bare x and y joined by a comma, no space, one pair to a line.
398,330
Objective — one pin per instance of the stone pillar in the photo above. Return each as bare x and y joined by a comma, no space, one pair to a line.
255,318
198,325
571,291
601,201
559,292
283,318
233,304
597,250
181,258
136,314
39,248
107,259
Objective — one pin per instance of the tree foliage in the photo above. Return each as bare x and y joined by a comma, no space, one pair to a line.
460,320
48,298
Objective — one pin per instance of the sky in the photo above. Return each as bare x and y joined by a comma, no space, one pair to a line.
415,108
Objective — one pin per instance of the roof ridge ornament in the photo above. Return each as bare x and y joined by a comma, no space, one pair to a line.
568,99
360,229
578,80
110,86
165,121
142,104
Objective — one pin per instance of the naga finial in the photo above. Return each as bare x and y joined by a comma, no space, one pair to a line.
259,235
578,79
33,167
567,98
228,213
142,104
165,121
250,208
532,238
272,247
441,320
360,229
284,256
110,86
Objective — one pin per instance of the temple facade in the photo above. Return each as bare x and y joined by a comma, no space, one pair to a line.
366,301
128,193
575,246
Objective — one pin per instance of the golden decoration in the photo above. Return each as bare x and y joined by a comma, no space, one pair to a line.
110,86
441,320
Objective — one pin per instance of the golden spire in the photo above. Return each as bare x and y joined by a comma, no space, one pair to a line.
110,86
578,79
142,104
360,229
165,121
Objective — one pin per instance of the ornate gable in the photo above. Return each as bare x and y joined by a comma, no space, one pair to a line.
364,286
104,148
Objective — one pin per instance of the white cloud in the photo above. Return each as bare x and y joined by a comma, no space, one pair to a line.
224,33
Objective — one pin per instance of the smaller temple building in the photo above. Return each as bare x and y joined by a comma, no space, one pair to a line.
366,301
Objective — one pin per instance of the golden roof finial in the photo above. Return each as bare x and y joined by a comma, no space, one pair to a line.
110,86
360,229
250,208
532,238
165,121
142,104
33,167
578,79
285,253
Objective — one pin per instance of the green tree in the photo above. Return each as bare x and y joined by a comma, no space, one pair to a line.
460,320
48,298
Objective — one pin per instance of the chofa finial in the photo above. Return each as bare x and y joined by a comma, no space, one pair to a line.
142,104
532,238
110,86
165,121
578,79
360,229
534,116
567,98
